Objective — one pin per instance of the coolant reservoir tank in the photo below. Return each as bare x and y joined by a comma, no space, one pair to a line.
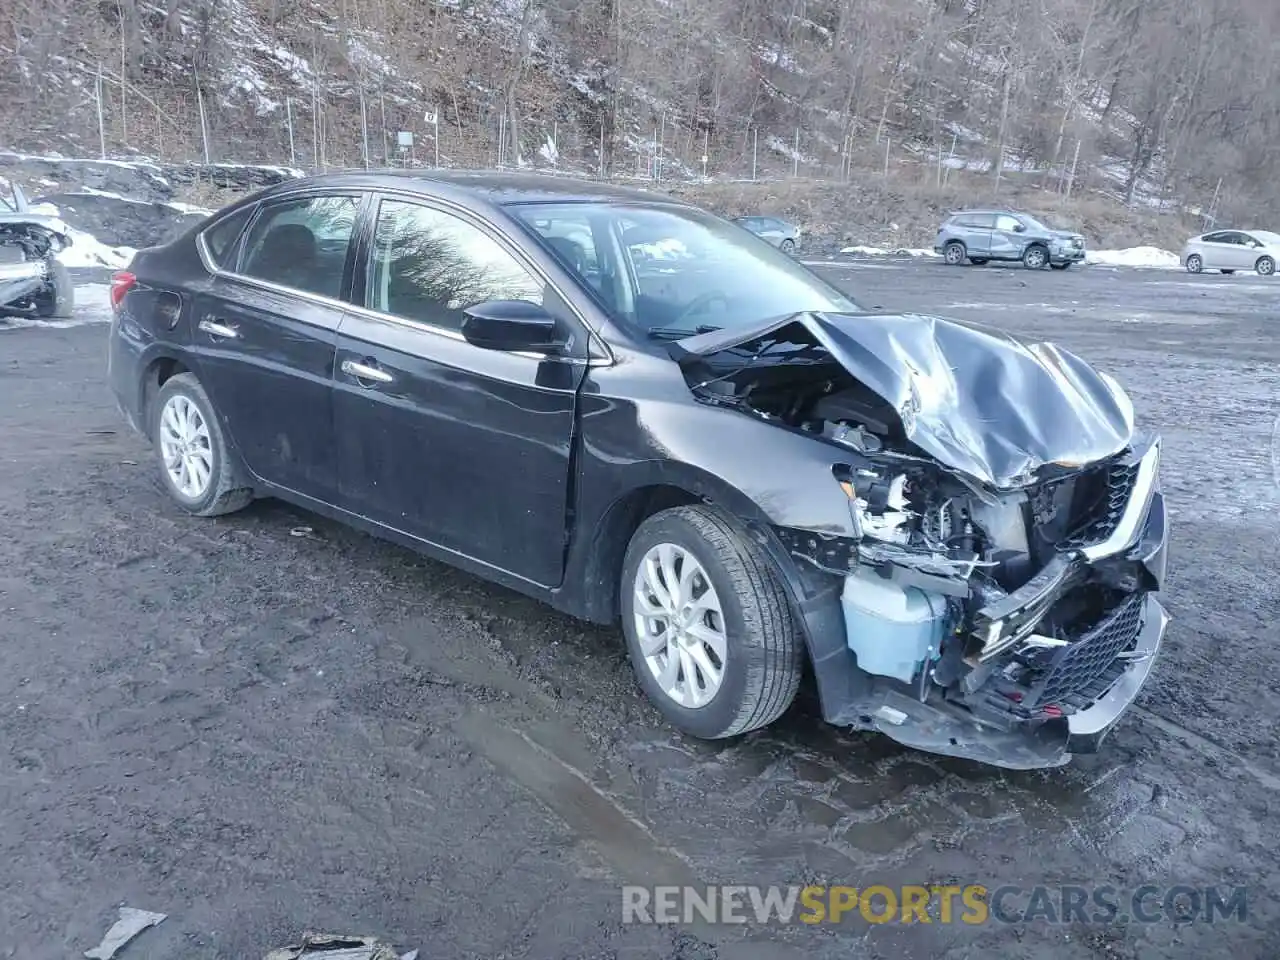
892,629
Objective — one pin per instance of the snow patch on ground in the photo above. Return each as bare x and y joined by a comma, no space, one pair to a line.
1135,257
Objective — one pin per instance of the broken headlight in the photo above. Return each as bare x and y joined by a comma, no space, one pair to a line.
880,505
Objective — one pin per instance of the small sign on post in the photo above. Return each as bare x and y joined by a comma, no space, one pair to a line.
404,143
433,117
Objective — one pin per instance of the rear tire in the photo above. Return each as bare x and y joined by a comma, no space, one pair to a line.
788,246
954,253
204,478
1265,266
1194,263
1035,257
762,662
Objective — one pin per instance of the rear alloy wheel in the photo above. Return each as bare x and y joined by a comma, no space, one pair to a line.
1266,266
787,246
195,465
1035,257
954,253
1194,263
708,625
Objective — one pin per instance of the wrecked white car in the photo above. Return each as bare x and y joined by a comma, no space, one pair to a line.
32,281
960,536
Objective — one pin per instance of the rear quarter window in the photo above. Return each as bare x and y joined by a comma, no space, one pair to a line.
220,239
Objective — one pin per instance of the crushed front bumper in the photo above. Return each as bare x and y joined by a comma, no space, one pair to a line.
1133,550
936,728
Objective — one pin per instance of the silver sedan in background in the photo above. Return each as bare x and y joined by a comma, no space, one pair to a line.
783,235
1232,250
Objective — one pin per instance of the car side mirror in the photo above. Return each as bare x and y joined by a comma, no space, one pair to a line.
1020,228
511,325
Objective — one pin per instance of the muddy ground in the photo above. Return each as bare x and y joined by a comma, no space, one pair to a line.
268,723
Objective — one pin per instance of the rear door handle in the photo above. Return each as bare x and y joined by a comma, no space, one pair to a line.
362,371
216,329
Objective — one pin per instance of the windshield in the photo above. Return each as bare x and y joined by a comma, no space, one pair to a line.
676,271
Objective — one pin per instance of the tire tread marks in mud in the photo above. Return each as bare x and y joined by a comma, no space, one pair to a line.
228,492
769,644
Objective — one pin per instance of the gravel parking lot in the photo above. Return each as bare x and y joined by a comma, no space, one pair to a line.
268,723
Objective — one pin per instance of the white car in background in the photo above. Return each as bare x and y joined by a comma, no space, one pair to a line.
1232,250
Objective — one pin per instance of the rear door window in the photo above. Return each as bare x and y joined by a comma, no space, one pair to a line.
976,221
302,244
220,239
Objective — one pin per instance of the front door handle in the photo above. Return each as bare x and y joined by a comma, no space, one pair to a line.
215,329
362,371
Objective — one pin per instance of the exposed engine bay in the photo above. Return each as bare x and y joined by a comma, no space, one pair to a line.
1012,601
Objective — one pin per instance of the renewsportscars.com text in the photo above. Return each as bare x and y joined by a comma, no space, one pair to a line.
971,904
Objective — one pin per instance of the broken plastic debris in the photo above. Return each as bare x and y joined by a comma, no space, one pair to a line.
324,946
131,923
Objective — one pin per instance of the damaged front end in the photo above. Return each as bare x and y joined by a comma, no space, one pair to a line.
32,282
1007,530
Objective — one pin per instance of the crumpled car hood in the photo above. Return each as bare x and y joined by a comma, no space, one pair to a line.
979,401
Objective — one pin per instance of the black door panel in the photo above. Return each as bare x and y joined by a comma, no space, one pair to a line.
266,334
465,447
272,382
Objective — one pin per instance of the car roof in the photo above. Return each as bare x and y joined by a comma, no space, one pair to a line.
492,187
987,210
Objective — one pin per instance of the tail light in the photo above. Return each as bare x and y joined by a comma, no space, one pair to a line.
121,284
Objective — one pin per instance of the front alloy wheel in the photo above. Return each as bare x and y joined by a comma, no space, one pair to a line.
1035,258
680,624
708,623
1194,263
1266,266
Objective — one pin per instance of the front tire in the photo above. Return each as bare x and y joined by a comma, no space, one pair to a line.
1265,266
58,300
954,253
709,628
1035,257
197,469
788,246
1194,263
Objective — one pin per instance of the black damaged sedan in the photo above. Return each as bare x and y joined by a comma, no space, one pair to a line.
638,412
